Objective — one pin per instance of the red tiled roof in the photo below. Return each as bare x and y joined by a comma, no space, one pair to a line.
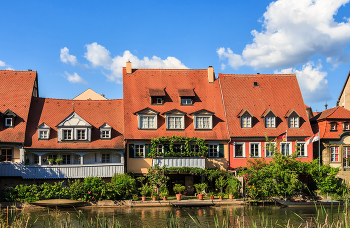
337,112
186,93
156,92
280,93
16,89
53,111
207,96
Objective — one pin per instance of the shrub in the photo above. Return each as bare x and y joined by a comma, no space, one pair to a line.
124,185
200,187
178,188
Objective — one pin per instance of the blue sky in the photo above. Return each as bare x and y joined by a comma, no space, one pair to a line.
76,45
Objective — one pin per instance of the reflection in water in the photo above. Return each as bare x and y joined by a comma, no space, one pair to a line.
157,216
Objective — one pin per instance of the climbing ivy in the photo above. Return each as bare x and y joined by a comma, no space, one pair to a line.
168,145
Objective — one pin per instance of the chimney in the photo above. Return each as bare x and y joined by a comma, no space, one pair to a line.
102,95
128,67
211,75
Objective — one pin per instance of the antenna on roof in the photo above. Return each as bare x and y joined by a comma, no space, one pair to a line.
73,108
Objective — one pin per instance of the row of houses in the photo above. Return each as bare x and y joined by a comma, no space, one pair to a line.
94,136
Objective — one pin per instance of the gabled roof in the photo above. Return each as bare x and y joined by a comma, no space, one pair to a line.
89,94
202,112
207,96
267,111
16,90
290,112
174,112
8,112
53,111
277,92
337,112
242,112
43,126
346,82
73,120
146,111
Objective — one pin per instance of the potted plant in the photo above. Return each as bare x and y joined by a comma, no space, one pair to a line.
50,160
200,188
233,186
59,161
179,188
164,194
221,195
154,195
144,191
211,195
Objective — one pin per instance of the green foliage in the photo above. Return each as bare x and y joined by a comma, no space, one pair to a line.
145,190
163,192
179,188
168,142
156,177
93,188
27,193
233,186
135,197
221,182
200,187
76,189
124,185
209,173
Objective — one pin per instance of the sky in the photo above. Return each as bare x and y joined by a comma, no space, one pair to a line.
76,45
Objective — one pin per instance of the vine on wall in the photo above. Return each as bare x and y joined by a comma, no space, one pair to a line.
168,147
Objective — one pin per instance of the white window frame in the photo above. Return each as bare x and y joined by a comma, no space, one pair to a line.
305,149
12,153
272,124
333,126
160,148
143,152
64,162
109,160
267,150
76,134
42,131
67,129
346,126
196,148
210,120
247,123
259,149
155,122
243,149
294,122
11,122
175,116
103,135
217,145
289,148
159,99
333,153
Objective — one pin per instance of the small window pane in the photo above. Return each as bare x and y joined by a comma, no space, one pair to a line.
213,150
186,101
6,155
334,154
239,150
81,134
106,158
76,159
67,134
139,150
254,149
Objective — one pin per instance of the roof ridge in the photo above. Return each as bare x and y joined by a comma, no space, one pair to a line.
20,70
280,75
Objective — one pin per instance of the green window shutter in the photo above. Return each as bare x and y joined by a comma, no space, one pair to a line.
147,150
165,148
131,150
208,150
221,151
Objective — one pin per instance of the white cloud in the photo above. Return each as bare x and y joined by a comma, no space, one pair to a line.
75,78
100,56
9,68
2,64
293,32
312,82
66,57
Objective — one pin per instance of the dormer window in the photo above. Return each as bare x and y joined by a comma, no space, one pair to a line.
346,126
157,96
105,131
147,119
293,118
246,118
175,120
186,96
203,119
8,122
43,132
270,118
333,126
74,128
9,118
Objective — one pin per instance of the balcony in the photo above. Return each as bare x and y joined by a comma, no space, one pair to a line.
194,162
10,169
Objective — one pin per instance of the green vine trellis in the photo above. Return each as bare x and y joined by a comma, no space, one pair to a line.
168,147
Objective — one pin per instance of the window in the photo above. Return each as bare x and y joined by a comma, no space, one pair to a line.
333,126
157,100
6,154
36,159
239,150
285,148
147,122
203,122
335,154
67,134
270,122
159,149
301,149
254,149
346,126
186,101
293,122
213,150
246,122
8,122
43,134
105,134
66,159
81,134
175,122
106,158
177,148
54,157
346,156
76,159
270,149
139,150
195,148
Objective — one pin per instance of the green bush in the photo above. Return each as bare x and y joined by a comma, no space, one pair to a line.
124,185
27,193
